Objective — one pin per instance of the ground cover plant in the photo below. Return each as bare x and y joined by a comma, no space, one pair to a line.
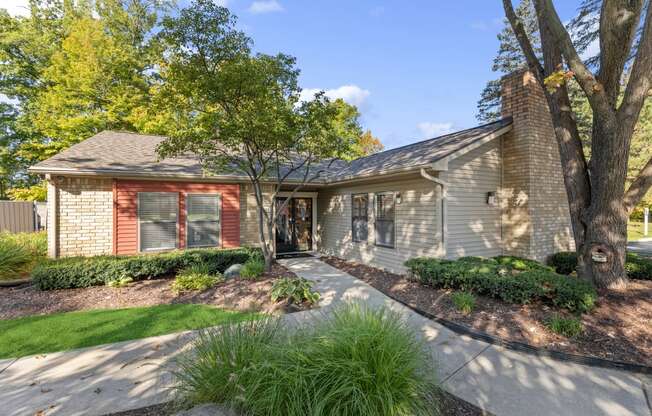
63,331
464,301
637,267
295,290
20,252
509,279
356,361
567,326
196,277
253,268
99,270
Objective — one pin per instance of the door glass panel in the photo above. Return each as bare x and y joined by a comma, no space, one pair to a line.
303,223
283,227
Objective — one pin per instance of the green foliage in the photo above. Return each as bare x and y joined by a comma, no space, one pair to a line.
195,277
20,252
568,327
637,267
91,271
64,331
295,290
356,361
38,192
252,269
490,277
121,282
464,301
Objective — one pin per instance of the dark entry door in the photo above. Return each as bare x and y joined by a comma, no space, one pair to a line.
294,225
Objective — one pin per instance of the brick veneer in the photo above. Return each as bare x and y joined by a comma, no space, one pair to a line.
536,220
84,224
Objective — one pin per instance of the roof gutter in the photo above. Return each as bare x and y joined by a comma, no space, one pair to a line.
444,206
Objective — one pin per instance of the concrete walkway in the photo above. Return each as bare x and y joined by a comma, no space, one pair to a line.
642,246
116,377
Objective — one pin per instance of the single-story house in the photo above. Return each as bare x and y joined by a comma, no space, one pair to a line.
489,190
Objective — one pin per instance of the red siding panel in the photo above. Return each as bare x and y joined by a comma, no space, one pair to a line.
126,210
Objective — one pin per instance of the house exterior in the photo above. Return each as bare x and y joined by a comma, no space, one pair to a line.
490,190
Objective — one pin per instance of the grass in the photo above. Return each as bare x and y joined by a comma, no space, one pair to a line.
20,252
196,277
252,269
464,301
635,231
568,327
356,361
64,331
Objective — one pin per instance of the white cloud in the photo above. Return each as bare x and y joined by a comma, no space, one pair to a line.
265,6
16,7
429,129
352,94
222,3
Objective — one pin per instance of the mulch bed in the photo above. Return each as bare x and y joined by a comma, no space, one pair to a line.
618,329
234,294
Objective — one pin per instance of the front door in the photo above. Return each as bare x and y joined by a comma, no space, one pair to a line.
294,225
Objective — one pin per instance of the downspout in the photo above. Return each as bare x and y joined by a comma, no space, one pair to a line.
444,226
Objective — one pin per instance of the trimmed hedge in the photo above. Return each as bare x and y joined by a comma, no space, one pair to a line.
510,279
637,267
76,272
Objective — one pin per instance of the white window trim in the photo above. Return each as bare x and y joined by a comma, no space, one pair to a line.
176,239
219,218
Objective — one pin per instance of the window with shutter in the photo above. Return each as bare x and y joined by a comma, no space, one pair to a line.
385,213
203,220
157,220
359,217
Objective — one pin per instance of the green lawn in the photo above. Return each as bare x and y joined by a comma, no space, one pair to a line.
635,231
63,331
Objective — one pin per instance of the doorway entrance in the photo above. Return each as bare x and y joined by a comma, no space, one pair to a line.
294,225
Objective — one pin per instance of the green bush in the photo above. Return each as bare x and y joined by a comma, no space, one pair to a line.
92,271
195,277
493,278
252,269
464,301
118,283
568,327
20,252
356,361
295,290
637,267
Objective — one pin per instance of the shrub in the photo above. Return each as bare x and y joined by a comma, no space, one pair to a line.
91,271
568,327
122,282
195,277
20,252
497,280
357,361
637,267
464,301
295,290
520,263
252,269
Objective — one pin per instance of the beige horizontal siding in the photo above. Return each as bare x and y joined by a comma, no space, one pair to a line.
474,227
417,223
249,235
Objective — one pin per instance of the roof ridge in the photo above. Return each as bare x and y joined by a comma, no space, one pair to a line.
503,119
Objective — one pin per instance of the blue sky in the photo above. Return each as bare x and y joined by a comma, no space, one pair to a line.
414,68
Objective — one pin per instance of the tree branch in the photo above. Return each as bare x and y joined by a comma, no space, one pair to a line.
638,188
524,42
592,88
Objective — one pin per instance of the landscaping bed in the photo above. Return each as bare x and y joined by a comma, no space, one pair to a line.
618,328
234,294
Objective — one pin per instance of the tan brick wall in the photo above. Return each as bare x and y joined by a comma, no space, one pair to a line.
536,220
85,216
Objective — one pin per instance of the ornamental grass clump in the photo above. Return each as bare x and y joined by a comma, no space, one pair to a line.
356,361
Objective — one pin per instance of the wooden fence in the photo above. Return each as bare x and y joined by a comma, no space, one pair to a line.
21,216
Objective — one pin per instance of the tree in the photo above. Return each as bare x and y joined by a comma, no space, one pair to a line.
241,112
366,144
509,59
599,199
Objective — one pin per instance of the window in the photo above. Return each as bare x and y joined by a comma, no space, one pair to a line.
385,220
359,217
203,220
157,220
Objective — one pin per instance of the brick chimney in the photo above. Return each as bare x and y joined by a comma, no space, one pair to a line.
536,221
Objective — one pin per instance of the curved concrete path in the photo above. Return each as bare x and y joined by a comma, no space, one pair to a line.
127,375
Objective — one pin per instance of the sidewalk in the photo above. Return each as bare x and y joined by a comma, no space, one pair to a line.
116,377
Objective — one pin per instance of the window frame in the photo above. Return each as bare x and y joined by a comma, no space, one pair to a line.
139,221
219,218
354,217
376,219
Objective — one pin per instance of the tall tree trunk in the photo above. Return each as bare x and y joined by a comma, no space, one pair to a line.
265,223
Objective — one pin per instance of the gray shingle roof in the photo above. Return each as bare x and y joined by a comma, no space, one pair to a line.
133,154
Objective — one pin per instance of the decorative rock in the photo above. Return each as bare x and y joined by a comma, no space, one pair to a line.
207,410
232,271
